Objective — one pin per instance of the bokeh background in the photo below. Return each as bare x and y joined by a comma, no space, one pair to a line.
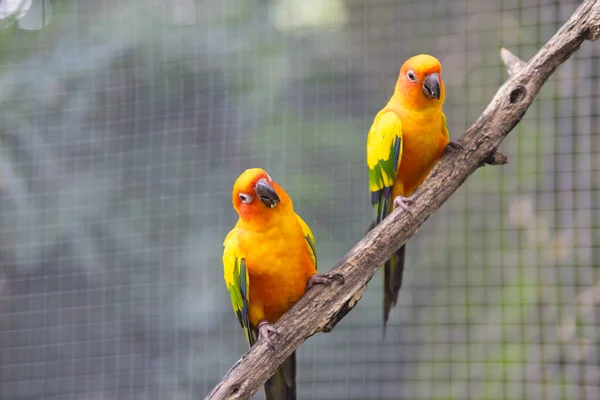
123,125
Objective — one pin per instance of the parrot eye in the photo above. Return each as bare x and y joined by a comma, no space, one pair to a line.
245,198
411,76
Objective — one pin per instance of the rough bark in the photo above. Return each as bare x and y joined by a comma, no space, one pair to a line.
322,307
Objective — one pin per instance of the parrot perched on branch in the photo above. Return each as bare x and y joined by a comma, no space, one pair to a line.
269,262
408,136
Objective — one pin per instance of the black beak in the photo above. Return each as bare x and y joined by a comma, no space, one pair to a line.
266,193
431,86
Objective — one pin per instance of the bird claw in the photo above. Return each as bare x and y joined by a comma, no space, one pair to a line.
265,330
326,279
453,146
403,202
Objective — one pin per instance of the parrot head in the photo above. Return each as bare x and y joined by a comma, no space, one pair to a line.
255,194
420,82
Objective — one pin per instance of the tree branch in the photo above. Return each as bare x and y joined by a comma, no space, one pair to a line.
513,63
321,308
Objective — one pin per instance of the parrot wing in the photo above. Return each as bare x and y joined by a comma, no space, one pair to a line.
445,128
310,240
384,151
238,283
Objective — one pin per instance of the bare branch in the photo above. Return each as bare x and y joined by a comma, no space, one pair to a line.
513,63
322,307
495,159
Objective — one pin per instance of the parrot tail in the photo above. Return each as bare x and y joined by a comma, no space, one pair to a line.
392,282
392,278
282,385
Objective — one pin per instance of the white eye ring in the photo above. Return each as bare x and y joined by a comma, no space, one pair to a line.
411,76
246,198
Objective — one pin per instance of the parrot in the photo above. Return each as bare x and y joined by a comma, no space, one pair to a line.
269,261
407,138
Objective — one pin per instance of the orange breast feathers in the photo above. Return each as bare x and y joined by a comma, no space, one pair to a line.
279,266
423,144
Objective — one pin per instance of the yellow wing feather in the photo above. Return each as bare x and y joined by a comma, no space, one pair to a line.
310,240
445,127
238,282
384,152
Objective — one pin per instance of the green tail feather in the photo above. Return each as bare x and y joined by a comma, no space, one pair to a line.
282,385
392,282
393,268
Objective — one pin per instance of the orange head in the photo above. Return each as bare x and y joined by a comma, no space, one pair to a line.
256,196
420,83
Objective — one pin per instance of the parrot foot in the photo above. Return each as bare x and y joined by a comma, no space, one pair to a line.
266,330
326,279
403,202
453,146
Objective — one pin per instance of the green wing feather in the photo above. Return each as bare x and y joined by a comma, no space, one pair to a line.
238,283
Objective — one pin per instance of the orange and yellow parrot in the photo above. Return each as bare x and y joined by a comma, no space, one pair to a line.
408,136
269,261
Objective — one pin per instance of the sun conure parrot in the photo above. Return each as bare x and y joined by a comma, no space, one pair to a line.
408,136
269,261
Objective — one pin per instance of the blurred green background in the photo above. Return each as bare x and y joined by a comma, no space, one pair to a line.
123,125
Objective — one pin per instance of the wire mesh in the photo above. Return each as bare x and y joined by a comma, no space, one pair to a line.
124,125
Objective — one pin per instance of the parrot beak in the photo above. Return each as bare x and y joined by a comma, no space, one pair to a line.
431,86
266,193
